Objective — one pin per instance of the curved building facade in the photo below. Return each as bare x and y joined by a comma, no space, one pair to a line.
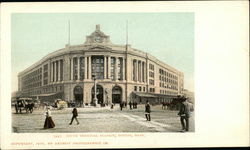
121,73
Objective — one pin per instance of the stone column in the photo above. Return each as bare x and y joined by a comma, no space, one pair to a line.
137,71
55,71
49,71
123,68
109,66
141,72
90,68
78,68
59,70
116,68
105,68
52,72
85,68
145,78
72,69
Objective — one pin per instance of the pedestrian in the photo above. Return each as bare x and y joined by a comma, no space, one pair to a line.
130,105
75,114
121,105
147,111
112,106
49,123
184,113
16,108
135,105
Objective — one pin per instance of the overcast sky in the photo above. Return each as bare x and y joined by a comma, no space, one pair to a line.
167,36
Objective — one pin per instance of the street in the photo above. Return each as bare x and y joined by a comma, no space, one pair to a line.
100,119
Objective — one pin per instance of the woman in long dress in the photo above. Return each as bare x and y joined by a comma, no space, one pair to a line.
49,123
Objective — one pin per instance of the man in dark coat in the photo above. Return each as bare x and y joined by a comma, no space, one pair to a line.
130,105
147,111
75,114
121,105
184,113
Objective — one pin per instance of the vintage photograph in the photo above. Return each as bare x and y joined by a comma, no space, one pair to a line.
102,72
124,74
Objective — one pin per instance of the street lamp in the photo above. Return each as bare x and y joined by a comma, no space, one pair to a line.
95,93
106,94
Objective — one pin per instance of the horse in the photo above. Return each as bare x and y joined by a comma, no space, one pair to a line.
29,107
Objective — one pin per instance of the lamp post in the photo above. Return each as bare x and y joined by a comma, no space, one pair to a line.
106,94
95,94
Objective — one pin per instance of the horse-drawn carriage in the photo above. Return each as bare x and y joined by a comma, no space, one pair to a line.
24,104
60,104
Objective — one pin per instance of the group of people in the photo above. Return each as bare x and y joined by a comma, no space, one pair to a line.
185,111
49,123
134,104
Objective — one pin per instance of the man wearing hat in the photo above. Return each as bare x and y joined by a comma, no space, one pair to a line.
184,113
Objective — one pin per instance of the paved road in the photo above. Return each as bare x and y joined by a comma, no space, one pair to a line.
101,120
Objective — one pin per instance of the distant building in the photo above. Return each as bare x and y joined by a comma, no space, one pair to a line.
123,73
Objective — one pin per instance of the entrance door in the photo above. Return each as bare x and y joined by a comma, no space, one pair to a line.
99,94
78,93
116,94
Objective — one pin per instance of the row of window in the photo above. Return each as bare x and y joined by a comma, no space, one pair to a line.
98,67
168,86
139,88
168,92
31,82
36,72
45,90
152,90
168,80
165,73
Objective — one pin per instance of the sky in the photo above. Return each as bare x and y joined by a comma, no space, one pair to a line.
167,36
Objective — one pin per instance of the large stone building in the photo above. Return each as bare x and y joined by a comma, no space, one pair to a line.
122,73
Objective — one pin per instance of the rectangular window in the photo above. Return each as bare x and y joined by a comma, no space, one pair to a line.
135,88
75,68
112,68
82,65
134,70
119,64
140,88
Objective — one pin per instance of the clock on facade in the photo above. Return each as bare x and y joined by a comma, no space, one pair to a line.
98,39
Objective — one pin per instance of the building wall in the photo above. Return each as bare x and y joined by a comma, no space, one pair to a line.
59,77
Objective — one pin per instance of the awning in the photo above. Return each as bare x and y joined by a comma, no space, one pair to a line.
144,94
44,95
141,94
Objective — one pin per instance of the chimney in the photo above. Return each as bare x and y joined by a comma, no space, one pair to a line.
97,27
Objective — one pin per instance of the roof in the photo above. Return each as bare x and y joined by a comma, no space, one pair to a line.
141,94
49,94
144,94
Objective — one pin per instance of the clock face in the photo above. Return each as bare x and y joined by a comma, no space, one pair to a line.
98,39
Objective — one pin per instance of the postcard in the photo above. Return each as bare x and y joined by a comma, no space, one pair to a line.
124,75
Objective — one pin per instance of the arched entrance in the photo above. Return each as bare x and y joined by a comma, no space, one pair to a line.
78,93
99,94
116,94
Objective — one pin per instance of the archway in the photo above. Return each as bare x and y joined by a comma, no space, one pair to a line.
78,93
99,94
116,94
